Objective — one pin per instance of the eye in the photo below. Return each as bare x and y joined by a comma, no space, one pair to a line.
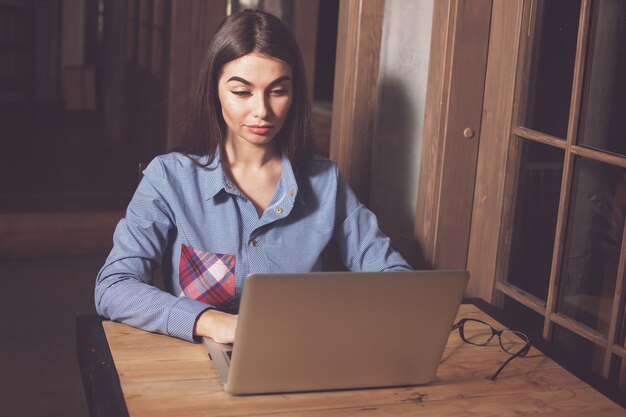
279,91
241,93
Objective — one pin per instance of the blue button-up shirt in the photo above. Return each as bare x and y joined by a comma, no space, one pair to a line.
179,203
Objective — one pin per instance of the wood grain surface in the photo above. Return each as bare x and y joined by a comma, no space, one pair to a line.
163,376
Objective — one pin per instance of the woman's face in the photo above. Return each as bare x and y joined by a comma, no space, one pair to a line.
255,92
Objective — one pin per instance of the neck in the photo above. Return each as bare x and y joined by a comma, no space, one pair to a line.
250,156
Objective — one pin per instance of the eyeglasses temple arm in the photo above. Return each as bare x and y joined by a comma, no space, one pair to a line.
522,352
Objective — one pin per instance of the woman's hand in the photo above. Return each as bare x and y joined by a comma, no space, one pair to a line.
217,325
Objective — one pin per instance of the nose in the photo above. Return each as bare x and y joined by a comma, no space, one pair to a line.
261,108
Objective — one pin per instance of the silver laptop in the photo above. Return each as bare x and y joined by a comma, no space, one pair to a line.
339,330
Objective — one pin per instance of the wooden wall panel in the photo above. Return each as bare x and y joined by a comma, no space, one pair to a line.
355,90
144,33
456,78
16,50
46,51
192,25
113,77
431,153
492,157
305,32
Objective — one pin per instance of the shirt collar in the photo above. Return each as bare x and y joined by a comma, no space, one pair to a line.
217,180
288,181
212,176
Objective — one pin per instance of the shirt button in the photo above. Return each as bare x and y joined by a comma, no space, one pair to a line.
229,187
255,243
279,210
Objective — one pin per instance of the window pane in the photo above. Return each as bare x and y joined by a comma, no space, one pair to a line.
593,242
523,318
552,66
537,203
603,115
577,351
621,378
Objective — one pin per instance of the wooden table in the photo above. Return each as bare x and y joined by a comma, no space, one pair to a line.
163,376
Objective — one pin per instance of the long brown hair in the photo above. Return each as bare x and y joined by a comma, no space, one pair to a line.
241,34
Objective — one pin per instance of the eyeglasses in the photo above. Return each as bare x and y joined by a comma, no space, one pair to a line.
479,333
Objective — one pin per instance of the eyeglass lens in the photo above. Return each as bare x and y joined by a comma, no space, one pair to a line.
513,341
477,332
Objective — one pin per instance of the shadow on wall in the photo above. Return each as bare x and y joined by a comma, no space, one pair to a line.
395,166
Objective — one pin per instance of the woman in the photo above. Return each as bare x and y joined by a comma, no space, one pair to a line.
244,194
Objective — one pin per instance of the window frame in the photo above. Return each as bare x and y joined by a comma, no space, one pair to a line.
495,172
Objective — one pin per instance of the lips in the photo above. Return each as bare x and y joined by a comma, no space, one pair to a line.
260,129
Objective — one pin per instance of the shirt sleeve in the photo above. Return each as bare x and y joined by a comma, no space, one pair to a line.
124,290
362,245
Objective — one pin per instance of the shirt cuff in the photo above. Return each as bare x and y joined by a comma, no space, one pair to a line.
182,318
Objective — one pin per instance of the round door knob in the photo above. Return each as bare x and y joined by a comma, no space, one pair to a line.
468,132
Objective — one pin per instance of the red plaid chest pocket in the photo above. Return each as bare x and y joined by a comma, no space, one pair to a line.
208,277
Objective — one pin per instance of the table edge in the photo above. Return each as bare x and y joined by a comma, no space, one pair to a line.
101,382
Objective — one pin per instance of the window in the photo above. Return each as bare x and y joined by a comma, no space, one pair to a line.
563,247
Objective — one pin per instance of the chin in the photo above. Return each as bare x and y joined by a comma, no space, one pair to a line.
260,140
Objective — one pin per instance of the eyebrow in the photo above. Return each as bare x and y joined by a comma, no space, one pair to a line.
246,82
